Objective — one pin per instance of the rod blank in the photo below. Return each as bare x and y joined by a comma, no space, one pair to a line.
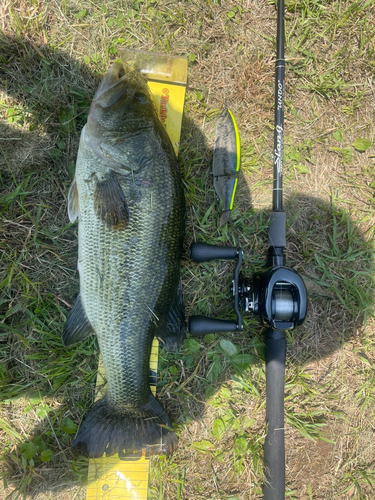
279,113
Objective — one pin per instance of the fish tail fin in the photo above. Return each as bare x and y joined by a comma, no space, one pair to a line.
110,430
225,217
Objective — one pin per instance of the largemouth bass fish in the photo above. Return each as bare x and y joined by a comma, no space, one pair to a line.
127,195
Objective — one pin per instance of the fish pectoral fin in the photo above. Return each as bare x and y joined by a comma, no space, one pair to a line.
73,206
173,330
77,326
110,203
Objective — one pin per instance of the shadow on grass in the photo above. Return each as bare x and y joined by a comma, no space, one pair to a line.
334,255
51,93
43,386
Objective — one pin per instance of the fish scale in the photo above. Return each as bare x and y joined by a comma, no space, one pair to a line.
105,294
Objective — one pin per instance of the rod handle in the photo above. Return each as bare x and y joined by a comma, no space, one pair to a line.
202,325
201,252
274,448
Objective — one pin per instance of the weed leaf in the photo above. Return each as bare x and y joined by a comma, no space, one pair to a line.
29,450
218,429
46,455
242,361
240,446
228,347
68,426
361,144
42,411
203,446
302,169
338,135
193,346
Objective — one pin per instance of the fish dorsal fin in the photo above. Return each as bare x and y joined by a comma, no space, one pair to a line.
73,206
77,326
110,203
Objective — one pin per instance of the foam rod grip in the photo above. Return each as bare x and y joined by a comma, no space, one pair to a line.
201,252
276,229
202,325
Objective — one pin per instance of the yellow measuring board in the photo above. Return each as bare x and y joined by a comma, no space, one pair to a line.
120,476
125,476
167,79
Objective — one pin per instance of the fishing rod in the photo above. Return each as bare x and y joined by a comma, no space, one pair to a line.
277,295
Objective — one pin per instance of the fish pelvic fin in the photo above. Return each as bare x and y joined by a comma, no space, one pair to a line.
110,203
77,326
173,330
73,206
111,430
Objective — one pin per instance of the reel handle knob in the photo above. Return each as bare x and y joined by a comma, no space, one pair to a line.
202,325
201,252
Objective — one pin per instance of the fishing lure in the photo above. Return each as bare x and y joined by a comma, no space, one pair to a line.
226,162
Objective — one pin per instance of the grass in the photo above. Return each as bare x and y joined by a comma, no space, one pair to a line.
52,55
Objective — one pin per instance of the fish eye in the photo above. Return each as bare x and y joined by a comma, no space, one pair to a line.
140,98
121,73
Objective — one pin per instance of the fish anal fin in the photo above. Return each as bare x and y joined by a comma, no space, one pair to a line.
77,326
110,203
173,331
73,205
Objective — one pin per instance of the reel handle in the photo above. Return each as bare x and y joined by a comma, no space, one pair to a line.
201,252
202,325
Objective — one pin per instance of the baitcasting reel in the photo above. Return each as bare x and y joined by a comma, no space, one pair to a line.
277,295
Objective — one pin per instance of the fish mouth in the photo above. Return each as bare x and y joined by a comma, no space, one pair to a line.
113,86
